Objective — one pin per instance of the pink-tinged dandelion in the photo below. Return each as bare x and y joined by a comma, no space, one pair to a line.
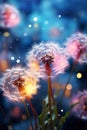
47,60
47,54
9,16
80,110
60,64
76,47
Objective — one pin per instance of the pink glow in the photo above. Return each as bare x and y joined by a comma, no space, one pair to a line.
46,51
60,63
80,110
73,48
9,16
76,47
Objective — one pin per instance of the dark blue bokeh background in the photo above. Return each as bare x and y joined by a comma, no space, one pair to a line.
41,20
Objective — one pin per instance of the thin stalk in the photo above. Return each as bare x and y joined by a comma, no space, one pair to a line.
28,114
75,62
49,95
34,113
73,67
50,99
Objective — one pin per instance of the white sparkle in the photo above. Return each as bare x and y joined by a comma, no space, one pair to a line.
62,110
12,58
18,61
35,19
59,15
29,25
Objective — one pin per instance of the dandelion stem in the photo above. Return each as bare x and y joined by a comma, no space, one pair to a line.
73,67
75,62
28,114
50,99
34,113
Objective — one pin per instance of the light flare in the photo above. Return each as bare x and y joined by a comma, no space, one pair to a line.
30,87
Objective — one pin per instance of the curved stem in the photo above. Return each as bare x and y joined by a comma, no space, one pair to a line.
73,67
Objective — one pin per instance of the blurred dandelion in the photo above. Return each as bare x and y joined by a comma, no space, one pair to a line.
80,110
9,16
76,47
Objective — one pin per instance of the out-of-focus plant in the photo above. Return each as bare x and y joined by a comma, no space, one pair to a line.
75,47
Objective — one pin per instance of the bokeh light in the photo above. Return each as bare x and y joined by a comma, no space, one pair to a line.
79,75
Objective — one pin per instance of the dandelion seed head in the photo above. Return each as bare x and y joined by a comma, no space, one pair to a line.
43,53
17,84
76,47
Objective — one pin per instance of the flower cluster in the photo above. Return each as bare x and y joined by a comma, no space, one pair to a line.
44,60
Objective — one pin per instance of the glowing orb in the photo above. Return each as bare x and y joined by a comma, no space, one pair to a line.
79,75
9,16
6,34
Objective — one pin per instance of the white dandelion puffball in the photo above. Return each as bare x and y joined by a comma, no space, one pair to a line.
17,84
47,52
